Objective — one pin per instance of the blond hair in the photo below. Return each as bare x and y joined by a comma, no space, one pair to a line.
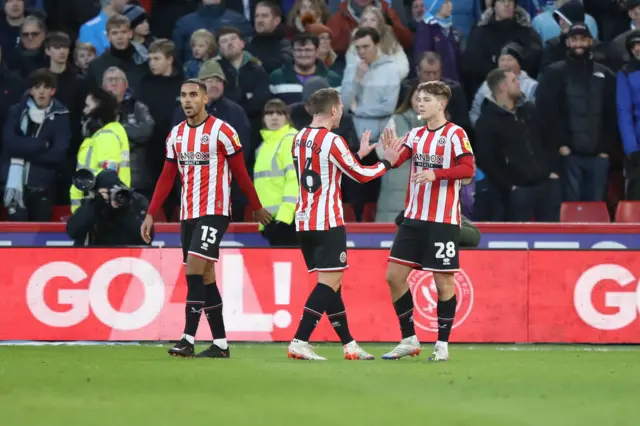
207,37
388,42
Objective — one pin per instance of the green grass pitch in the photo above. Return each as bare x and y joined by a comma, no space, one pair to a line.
483,385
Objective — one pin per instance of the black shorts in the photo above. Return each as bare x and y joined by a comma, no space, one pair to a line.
324,251
429,246
201,236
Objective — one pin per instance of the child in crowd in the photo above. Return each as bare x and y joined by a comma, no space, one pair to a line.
203,48
139,24
83,54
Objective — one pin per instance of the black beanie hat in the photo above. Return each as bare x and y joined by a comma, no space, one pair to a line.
514,49
136,15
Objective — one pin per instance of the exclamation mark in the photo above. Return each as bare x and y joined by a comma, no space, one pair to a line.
282,280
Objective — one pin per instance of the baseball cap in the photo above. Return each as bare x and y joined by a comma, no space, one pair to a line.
211,68
579,29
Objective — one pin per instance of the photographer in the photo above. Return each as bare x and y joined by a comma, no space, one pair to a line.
109,215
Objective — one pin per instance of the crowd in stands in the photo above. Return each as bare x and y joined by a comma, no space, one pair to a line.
548,91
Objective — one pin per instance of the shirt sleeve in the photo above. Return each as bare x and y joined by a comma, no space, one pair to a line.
229,140
342,157
461,144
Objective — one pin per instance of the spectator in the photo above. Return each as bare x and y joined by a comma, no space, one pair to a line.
437,34
429,68
67,16
466,15
371,17
502,23
10,28
36,135
106,146
11,90
417,15
345,20
611,15
286,83
138,124
247,82
139,25
618,53
274,175
548,24
160,91
555,49
393,185
83,55
32,56
577,99
221,107
269,43
510,59
316,8
511,150
96,30
326,54
123,53
628,100
211,15
203,48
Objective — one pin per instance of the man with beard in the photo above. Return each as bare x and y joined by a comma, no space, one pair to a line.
269,44
577,100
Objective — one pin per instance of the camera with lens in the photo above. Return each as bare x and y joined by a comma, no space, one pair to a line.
85,181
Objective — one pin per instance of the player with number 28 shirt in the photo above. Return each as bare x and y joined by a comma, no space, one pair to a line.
428,236
206,151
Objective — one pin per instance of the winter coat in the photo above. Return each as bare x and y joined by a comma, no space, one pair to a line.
618,55
208,17
577,100
393,185
628,102
138,123
547,27
248,85
11,90
273,49
528,88
399,58
9,43
342,24
487,40
31,60
375,96
556,50
45,151
446,43
134,66
510,146
284,83
69,15
466,13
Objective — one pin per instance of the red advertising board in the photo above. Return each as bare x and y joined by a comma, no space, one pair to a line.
138,294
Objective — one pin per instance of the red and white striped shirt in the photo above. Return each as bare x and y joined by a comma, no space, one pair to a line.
201,153
320,158
434,150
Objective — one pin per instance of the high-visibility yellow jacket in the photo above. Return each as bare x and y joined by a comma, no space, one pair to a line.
274,175
108,148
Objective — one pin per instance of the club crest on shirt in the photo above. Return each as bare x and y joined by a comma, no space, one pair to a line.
204,140
442,141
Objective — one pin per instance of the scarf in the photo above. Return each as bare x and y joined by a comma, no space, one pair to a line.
19,169
432,7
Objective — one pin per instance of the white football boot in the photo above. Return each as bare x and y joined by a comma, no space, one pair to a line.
440,352
303,350
352,351
409,346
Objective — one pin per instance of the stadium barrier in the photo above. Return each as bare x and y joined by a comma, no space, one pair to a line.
68,294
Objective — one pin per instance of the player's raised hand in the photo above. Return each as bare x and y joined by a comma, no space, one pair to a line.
365,146
424,176
146,228
389,137
262,216
391,154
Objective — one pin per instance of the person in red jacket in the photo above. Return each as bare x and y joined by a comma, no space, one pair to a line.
345,20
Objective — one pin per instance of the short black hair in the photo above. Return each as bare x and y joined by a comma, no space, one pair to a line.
304,38
57,39
227,30
276,10
42,77
366,31
198,82
495,79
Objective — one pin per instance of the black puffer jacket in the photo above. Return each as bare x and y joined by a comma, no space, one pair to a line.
273,49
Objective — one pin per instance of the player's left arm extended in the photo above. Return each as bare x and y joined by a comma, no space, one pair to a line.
350,166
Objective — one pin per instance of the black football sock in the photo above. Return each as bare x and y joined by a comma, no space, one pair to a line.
195,303
404,311
213,311
338,318
446,314
317,303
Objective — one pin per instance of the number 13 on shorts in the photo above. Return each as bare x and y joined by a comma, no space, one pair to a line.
209,234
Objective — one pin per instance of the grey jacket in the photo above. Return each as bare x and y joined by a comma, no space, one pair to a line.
393,187
376,96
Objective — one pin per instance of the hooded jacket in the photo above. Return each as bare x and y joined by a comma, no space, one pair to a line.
208,17
272,49
546,26
528,88
489,37
628,104
375,96
343,22
510,146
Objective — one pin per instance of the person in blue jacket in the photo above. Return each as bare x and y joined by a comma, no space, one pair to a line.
628,102
212,15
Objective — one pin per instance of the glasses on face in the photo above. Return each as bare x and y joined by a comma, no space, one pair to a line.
307,51
113,80
30,34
